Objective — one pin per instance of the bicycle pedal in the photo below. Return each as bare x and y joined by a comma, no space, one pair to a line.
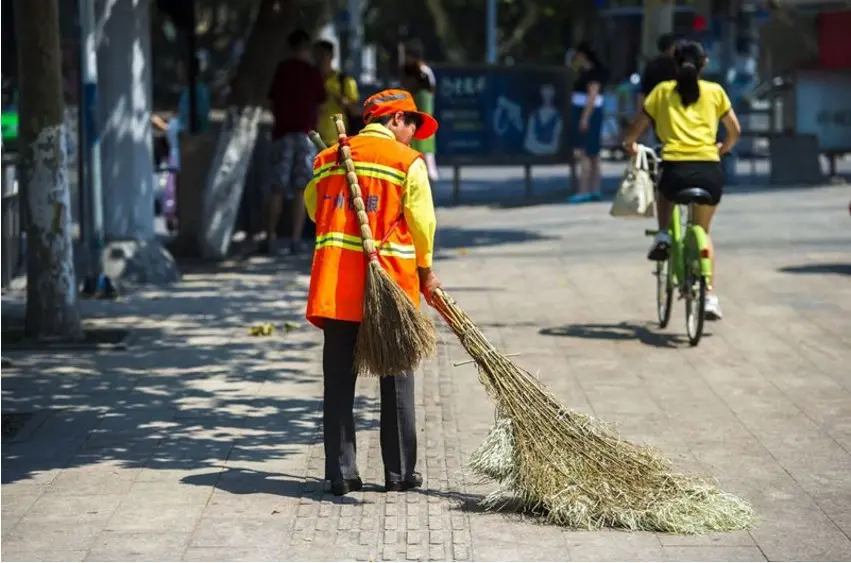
650,232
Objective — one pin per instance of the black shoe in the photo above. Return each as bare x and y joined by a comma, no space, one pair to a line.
412,482
346,486
659,252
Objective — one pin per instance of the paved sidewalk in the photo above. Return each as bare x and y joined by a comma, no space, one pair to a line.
201,443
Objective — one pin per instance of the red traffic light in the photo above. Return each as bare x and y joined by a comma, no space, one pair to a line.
700,23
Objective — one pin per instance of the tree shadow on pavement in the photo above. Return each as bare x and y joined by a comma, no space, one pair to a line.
619,331
191,391
838,269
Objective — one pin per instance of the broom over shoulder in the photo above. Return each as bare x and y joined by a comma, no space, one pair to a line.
395,336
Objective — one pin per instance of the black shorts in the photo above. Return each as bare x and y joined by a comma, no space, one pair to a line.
678,175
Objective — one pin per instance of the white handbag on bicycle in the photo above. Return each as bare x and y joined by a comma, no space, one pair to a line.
636,194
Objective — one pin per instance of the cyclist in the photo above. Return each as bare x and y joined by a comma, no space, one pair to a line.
686,113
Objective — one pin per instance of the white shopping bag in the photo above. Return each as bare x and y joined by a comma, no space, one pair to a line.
636,194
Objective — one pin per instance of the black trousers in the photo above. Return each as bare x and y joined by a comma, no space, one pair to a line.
398,432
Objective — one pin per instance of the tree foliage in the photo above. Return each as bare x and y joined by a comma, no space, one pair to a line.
222,29
454,30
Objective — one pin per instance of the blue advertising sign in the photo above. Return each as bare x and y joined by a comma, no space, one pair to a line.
823,108
502,115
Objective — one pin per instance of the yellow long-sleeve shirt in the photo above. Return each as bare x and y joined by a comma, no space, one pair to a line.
418,203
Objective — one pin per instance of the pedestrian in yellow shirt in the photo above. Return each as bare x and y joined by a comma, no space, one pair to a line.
342,93
397,199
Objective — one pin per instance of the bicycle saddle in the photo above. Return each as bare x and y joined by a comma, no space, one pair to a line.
694,195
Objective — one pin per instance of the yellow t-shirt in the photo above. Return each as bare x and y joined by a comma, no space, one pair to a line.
688,133
326,127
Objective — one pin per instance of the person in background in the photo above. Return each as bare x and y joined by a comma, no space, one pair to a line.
740,81
341,89
686,112
203,101
173,126
171,129
418,78
587,121
660,69
166,162
296,93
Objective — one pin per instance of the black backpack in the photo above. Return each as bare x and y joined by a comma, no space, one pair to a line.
355,119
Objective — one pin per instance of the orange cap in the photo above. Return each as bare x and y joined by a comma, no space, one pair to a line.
388,102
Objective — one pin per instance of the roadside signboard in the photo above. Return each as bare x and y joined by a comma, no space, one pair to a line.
502,115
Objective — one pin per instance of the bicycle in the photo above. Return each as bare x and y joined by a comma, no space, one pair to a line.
688,268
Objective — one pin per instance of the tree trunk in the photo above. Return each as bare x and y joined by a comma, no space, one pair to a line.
52,309
199,159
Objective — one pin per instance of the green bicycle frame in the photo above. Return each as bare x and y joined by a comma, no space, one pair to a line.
690,252
687,253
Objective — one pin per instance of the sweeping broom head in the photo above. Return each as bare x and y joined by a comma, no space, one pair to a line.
395,336
572,469
575,473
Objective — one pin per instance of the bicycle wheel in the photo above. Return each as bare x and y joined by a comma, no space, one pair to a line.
695,305
664,294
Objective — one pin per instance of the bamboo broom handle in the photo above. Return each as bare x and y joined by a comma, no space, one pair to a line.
441,301
354,187
441,297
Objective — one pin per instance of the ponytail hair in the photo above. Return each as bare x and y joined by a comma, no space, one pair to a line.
690,59
687,86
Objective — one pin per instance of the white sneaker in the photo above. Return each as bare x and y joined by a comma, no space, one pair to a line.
712,309
659,249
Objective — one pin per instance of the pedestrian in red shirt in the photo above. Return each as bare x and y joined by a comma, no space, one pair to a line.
296,92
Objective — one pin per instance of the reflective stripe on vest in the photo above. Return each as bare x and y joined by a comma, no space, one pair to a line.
365,170
349,242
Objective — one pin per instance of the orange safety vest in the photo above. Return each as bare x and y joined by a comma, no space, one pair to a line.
339,264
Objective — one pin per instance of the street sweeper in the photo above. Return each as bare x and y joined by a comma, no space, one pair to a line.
372,204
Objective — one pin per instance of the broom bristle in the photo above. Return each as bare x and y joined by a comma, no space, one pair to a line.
395,336
571,469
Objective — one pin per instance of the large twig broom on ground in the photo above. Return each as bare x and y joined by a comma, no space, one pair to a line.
395,336
571,469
